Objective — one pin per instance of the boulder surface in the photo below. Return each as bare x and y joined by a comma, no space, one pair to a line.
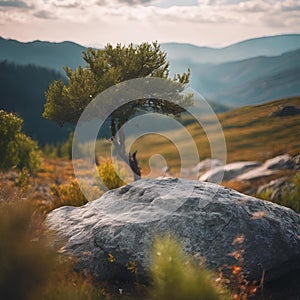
206,217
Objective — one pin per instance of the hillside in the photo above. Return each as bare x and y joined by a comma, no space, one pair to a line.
250,81
251,133
23,91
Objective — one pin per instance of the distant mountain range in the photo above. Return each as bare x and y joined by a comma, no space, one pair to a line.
44,54
56,55
264,46
251,81
249,72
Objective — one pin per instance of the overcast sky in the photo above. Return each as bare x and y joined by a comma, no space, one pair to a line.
97,22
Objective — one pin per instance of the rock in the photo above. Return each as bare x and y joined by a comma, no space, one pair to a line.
284,161
206,164
204,216
270,167
285,111
296,160
229,171
256,173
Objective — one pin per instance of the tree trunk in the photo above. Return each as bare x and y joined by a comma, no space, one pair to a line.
119,144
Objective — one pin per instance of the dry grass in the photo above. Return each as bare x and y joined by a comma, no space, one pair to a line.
250,134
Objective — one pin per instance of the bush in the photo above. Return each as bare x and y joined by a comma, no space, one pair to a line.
29,269
68,194
109,176
16,149
24,264
61,149
175,276
289,197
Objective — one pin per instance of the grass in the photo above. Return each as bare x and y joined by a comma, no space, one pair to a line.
250,134
176,276
26,263
289,197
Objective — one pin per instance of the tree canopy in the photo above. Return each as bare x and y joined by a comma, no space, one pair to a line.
105,68
16,149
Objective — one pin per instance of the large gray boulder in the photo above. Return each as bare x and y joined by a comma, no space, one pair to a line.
204,216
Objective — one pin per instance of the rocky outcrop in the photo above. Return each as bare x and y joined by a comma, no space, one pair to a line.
286,111
206,164
270,167
250,170
229,171
204,216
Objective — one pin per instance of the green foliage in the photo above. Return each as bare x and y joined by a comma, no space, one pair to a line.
289,197
23,179
105,68
68,194
265,195
175,276
62,149
29,269
24,264
16,149
108,173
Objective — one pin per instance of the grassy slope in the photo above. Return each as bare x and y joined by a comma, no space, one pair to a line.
250,134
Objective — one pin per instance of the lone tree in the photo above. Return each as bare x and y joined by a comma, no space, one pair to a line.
105,68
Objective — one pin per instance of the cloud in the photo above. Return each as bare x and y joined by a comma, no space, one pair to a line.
117,20
44,14
136,2
14,3
65,3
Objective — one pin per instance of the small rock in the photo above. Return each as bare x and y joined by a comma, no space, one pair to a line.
206,164
229,171
285,111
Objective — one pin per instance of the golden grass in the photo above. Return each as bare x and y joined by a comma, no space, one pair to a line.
250,134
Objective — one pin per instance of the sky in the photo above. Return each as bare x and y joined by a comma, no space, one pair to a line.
98,22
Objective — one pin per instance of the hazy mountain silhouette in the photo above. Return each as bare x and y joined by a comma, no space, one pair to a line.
44,54
250,81
264,46
249,72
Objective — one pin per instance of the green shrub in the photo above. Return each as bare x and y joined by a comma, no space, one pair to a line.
61,149
29,269
176,277
16,149
68,194
108,174
25,264
289,197
265,195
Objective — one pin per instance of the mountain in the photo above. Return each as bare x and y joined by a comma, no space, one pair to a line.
44,54
185,54
23,92
248,72
181,56
249,81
